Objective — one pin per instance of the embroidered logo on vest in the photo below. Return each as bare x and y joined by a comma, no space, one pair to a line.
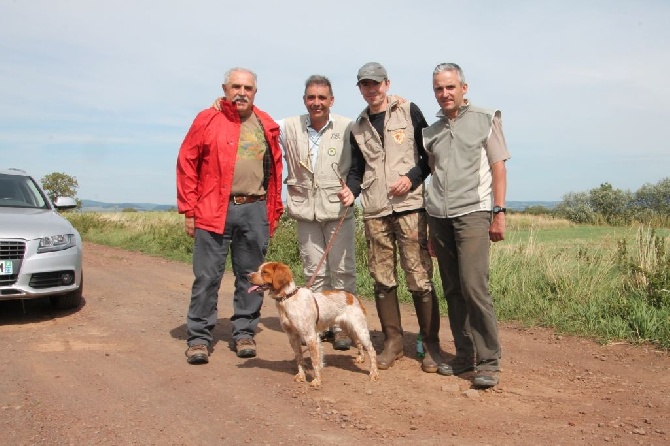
399,136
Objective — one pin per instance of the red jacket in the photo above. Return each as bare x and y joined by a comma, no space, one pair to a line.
206,163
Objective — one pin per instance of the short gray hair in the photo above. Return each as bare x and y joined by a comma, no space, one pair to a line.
450,67
230,72
317,79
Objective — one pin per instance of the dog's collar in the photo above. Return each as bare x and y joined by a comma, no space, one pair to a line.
289,295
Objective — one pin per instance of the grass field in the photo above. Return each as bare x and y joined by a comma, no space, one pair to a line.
612,284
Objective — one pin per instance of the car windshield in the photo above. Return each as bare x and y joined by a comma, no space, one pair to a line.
19,191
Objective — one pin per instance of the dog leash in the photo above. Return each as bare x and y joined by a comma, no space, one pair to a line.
332,237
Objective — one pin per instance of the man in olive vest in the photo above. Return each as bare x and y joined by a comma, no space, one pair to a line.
389,165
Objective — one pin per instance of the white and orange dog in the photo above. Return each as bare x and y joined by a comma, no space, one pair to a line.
304,314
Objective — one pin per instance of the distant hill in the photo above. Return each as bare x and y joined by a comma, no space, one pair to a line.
99,206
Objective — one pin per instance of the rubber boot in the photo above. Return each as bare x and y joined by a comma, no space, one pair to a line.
388,310
428,314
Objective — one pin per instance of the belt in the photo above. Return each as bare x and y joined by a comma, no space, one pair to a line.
244,199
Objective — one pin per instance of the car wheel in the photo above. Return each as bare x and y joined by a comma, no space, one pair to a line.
69,300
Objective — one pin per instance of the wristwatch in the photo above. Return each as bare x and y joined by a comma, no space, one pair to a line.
498,210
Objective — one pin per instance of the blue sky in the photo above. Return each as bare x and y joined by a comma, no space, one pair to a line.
106,90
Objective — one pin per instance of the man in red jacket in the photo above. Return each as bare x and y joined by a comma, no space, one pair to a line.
229,190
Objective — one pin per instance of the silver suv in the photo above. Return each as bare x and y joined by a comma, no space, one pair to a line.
40,251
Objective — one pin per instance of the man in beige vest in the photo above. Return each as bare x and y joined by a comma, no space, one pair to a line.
388,168
318,153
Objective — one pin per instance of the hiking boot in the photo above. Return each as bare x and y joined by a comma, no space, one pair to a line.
341,341
327,336
197,354
486,379
245,347
459,365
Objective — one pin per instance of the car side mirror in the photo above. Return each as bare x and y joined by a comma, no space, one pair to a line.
63,203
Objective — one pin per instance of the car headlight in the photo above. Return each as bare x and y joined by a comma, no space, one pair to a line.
56,243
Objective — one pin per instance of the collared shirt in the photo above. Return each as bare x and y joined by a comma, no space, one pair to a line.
315,139
313,136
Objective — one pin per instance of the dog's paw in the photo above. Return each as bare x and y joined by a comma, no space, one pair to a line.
359,359
315,384
374,376
299,378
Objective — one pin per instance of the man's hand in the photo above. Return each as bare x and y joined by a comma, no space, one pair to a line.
346,196
401,186
217,103
497,228
189,226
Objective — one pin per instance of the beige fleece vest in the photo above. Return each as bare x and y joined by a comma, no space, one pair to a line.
461,180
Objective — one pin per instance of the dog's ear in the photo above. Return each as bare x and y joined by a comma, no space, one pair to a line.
267,272
282,276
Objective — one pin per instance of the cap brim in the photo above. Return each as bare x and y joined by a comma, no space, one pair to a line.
371,78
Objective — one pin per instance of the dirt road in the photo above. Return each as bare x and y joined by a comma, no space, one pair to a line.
114,372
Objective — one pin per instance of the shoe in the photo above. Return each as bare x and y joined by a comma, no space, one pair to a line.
327,336
341,341
197,354
486,379
245,347
459,365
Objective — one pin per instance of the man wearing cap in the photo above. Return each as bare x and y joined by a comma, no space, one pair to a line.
389,165
467,148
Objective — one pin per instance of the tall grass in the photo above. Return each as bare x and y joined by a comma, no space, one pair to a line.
156,233
603,282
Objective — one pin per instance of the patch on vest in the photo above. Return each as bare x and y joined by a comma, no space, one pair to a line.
332,151
399,136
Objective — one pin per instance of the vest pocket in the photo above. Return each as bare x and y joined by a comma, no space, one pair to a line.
297,193
370,194
328,205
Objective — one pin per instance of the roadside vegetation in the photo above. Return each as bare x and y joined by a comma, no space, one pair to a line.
606,282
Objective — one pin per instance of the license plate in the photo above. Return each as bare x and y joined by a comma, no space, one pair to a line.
6,267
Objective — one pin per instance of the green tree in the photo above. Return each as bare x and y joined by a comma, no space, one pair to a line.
577,208
612,204
58,184
655,197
